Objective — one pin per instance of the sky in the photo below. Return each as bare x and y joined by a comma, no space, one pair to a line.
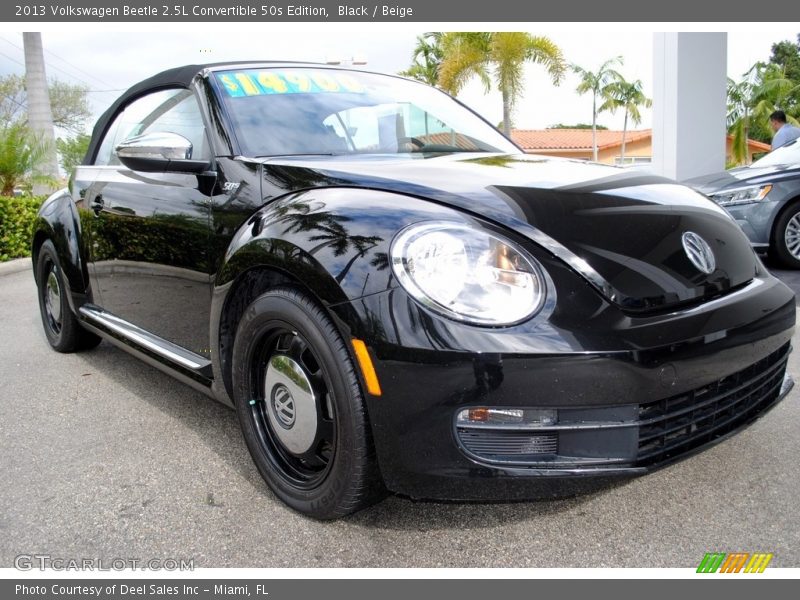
108,60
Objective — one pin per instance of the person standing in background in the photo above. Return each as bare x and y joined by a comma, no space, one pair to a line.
784,133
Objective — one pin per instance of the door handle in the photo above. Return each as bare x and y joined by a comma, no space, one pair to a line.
97,204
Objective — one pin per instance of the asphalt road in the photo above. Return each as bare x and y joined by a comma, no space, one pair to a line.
105,457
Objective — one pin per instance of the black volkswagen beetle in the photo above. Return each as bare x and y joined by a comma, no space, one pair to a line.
393,297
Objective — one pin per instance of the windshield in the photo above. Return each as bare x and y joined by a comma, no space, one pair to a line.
279,112
785,155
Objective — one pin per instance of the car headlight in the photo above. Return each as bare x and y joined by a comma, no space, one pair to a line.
744,195
467,273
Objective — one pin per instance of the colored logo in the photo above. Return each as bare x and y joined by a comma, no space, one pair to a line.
699,252
735,562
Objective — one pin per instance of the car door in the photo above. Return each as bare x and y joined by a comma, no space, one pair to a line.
149,233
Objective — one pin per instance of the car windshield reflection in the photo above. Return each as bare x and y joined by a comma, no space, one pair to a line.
303,111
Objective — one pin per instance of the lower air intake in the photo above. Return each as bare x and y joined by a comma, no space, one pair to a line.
496,445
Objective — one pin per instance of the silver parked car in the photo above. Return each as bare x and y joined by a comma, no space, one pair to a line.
764,198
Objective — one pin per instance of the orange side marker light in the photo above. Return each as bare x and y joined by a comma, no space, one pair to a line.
367,368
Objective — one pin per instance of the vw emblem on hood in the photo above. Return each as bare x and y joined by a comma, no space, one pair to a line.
699,252
283,405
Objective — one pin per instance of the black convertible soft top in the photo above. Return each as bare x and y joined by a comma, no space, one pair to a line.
177,77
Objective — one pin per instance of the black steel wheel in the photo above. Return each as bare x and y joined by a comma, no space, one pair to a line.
61,326
301,408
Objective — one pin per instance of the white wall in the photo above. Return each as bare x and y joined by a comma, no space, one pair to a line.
689,103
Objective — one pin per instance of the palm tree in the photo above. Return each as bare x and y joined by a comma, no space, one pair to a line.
762,90
740,98
427,58
773,91
361,244
628,96
500,55
40,116
596,82
332,231
20,154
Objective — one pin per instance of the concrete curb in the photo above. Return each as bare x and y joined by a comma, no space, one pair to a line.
15,266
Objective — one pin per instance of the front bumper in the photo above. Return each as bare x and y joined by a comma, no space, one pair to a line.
756,219
624,407
631,436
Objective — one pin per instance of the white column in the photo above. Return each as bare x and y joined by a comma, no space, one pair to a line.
689,103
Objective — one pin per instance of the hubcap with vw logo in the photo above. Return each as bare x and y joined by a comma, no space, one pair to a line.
291,405
283,405
699,253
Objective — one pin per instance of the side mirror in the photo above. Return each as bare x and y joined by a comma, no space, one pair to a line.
160,152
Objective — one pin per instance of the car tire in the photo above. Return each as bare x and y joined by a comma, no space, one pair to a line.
786,241
301,408
61,327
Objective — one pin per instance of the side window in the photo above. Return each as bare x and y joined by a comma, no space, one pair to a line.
174,111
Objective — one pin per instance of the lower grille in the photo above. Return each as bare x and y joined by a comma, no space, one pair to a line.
673,426
496,445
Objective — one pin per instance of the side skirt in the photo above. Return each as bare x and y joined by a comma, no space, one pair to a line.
176,361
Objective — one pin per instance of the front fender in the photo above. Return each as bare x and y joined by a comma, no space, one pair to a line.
334,240
58,221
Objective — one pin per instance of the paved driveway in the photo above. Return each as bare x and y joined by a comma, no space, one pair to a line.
105,457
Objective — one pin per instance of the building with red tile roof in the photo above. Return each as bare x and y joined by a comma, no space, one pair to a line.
577,143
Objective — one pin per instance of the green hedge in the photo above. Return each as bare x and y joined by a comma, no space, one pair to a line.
16,225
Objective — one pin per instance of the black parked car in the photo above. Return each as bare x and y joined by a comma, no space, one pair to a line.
393,297
764,198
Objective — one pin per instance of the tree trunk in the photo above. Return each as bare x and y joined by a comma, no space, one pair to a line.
40,116
319,247
594,126
506,113
747,159
340,277
624,135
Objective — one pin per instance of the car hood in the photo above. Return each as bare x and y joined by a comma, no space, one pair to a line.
715,182
621,230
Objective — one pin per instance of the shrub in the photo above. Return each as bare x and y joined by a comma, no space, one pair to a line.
16,225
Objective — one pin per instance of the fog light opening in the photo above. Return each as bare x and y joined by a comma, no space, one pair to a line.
524,417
